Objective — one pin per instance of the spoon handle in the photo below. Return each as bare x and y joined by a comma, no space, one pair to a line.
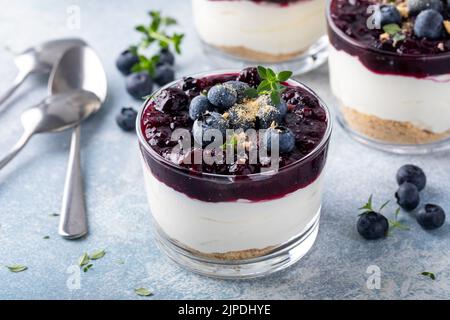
73,221
20,78
16,149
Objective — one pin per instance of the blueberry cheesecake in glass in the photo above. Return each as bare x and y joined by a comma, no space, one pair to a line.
265,31
390,69
245,200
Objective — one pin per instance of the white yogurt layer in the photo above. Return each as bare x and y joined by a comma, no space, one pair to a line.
264,27
425,103
232,226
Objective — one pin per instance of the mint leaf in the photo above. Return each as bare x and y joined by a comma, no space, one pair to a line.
97,254
368,205
430,275
262,72
83,260
143,292
275,97
16,268
284,76
251,93
86,268
392,28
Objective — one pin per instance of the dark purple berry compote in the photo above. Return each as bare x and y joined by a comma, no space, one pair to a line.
223,101
402,37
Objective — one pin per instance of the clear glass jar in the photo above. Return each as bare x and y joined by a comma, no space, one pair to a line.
396,103
288,35
235,226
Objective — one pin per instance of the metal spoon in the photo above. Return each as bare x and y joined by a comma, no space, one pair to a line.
56,113
79,68
39,59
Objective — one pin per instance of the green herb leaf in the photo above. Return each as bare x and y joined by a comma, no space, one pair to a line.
46,237
384,205
392,29
368,205
143,292
97,254
86,268
395,224
16,268
429,275
262,72
251,93
275,97
284,76
83,260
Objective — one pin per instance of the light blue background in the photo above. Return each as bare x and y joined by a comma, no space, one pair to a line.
31,189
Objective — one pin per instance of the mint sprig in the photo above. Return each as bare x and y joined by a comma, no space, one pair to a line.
271,84
155,33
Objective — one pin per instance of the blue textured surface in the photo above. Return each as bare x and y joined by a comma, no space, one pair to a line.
31,189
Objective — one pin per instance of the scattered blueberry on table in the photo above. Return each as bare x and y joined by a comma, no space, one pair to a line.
126,119
431,217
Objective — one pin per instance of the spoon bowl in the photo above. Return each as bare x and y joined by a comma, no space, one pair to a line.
60,112
53,115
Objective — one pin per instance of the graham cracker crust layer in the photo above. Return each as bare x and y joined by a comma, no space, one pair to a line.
251,54
235,255
389,130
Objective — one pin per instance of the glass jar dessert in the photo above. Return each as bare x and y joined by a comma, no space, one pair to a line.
390,69
234,217
285,34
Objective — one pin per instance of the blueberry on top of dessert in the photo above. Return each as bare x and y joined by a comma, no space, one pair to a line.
251,99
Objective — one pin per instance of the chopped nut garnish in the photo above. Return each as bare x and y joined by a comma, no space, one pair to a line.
441,46
403,9
447,26
384,37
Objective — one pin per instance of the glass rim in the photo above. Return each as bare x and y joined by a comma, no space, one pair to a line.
156,156
360,45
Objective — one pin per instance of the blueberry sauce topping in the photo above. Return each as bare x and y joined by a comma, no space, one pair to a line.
184,106
409,35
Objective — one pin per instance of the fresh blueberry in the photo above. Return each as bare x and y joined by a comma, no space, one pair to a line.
408,196
164,74
240,88
267,116
126,119
286,139
208,121
126,61
372,225
431,217
429,24
412,174
236,120
199,105
166,57
139,84
223,97
281,107
417,6
171,99
250,76
387,14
